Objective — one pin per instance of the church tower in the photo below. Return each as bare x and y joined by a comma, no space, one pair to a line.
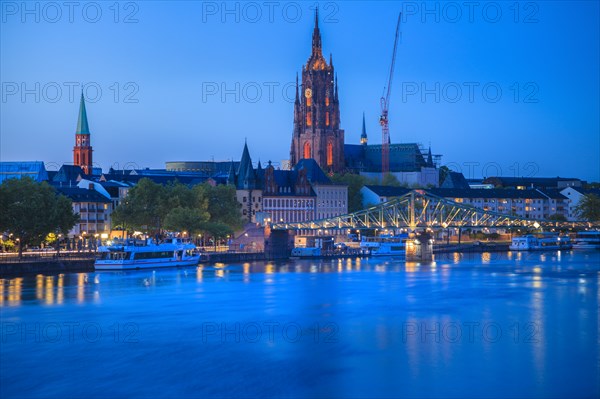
317,132
82,152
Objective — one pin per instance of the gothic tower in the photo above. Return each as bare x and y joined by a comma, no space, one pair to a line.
82,152
317,132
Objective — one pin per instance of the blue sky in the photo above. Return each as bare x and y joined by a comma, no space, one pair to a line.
500,88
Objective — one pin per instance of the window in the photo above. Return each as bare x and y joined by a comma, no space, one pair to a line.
244,199
307,150
309,118
329,153
327,101
326,118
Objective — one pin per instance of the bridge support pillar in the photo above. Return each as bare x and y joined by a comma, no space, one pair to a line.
420,248
277,244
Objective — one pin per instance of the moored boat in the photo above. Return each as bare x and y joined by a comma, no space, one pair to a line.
587,240
533,243
135,254
385,245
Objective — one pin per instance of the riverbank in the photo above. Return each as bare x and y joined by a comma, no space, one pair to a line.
11,266
52,263
47,264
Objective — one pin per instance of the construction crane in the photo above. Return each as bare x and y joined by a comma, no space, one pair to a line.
385,104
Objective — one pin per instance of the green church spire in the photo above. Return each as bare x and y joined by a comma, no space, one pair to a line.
82,122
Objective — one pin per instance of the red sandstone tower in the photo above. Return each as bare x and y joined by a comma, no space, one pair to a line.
82,152
317,132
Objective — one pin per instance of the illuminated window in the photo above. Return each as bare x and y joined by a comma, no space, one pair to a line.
308,119
329,153
77,159
308,101
307,150
327,101
326,118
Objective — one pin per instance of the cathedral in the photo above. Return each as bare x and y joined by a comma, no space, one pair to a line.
317,133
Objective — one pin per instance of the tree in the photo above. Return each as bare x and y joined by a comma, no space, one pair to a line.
31,211
589,208
153,207
222,205
144,208
390,180
186,219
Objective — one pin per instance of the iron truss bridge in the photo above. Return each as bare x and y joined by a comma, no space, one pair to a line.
418,209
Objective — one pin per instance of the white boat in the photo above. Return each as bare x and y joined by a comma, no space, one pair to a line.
135,254
587,240
533,243
385,245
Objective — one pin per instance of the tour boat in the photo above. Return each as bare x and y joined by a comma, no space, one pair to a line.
587,240
385,245
533,243
136,254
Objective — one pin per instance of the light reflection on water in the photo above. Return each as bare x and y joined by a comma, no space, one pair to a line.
466,325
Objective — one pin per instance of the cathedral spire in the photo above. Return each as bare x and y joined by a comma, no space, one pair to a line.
316,41
82,122
429,158
363,136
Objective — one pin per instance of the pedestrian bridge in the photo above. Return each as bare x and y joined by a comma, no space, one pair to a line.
419,210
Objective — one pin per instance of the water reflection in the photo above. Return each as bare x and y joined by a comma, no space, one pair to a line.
61,289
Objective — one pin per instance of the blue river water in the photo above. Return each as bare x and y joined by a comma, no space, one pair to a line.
468,325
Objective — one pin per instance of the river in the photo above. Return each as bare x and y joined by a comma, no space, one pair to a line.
467,325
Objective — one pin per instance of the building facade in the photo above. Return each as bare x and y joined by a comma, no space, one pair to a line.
297,195
530,204
93,208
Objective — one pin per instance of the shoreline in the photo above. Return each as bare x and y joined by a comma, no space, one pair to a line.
84,263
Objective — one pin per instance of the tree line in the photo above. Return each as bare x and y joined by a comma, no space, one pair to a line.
30,211
156,208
